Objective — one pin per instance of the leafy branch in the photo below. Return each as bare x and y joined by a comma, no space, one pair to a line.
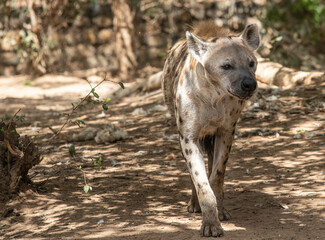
76,106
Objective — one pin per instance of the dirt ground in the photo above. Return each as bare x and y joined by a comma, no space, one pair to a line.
274,186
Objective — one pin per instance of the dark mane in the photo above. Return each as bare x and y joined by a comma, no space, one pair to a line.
208,30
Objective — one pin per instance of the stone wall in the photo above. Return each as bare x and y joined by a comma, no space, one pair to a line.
87,39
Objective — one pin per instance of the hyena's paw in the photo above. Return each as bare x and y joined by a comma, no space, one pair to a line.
223,214
193,205
211,230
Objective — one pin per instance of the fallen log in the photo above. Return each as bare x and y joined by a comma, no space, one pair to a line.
272,73
269,73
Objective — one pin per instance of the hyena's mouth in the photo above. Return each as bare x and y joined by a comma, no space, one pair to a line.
243,97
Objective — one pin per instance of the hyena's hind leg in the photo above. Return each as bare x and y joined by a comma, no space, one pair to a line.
193,205
217,169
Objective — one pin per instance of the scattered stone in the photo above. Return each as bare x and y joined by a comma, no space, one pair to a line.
317,124
111,133
170,138
157,108
88,134
101,221
170,156
101,115
284,206
139,111
310,134
271,98
297,136
255,132
114,163
141,153
155,152
105,36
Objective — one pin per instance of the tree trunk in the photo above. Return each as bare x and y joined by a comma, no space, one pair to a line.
17,156
125,41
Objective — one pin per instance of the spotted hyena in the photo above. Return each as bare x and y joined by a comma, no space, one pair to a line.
207,79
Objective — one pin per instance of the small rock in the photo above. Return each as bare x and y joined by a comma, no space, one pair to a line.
168,115
139,111
101,115
170,138
170,156
105,35
160,151
111,133
277,135
114,162
141,153
101,221
309,135
317,124
88,134
157,108
272,98
297,136
284,206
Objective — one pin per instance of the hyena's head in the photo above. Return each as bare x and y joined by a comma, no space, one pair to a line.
228,61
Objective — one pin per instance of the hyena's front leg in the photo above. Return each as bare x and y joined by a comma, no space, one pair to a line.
217,168
207,200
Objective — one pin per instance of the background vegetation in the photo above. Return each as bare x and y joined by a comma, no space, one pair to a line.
55,36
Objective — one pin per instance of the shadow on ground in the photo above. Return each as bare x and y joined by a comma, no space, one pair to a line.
274,184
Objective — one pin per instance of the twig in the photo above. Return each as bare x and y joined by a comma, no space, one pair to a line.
8,162
11,120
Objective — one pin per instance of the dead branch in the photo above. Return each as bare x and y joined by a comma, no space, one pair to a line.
13,117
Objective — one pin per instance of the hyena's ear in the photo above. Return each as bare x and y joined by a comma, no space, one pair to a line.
196,46
251,37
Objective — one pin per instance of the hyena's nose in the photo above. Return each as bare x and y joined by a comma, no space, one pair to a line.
248,84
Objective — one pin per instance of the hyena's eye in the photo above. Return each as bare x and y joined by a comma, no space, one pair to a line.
251,64
226,66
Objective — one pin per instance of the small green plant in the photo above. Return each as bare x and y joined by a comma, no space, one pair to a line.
20,118
72,150
99,163
86,187
307,101
27,83
301,130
